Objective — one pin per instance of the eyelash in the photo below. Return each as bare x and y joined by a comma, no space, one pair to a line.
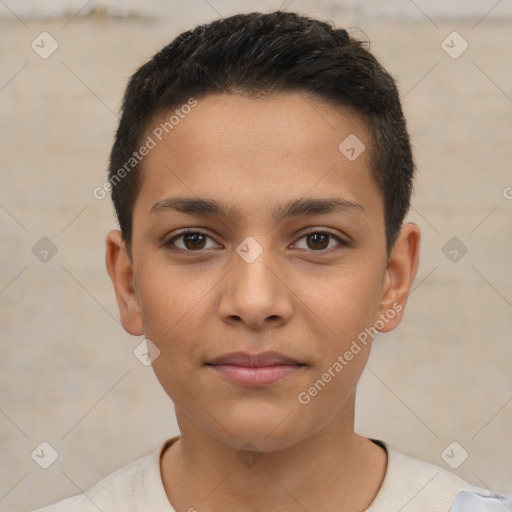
170,243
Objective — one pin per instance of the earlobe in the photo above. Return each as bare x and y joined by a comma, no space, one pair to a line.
120,270
400,273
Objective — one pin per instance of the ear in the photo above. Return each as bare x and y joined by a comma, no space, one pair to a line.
400,273
120,270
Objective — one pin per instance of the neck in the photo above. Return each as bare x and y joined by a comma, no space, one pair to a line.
333,469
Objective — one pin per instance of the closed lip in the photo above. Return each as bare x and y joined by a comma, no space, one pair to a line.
254,360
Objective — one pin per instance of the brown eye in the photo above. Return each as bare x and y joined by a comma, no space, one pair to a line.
191,241
194,241
319,241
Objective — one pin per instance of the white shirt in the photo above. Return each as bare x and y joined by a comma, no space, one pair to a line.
410,485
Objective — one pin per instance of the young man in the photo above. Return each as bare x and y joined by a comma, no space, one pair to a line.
261,174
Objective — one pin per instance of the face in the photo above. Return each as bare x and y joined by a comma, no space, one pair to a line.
285,253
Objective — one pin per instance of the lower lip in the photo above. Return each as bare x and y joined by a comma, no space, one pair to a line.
256,375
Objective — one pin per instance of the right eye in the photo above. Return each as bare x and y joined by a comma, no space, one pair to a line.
192,241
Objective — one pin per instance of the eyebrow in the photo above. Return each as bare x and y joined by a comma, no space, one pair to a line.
293,208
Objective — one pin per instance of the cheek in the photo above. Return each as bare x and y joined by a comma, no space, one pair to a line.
160,309
170,310
175,309
167,297
346,303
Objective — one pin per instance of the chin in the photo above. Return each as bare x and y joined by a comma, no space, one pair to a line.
253,440
266,433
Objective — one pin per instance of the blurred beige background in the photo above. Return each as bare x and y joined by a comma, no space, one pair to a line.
68,373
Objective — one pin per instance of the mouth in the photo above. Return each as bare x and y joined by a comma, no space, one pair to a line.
254,370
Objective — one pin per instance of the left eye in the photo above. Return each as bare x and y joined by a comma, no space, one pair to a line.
319,240
194,241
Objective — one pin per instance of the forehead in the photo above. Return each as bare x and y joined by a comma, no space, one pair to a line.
252,151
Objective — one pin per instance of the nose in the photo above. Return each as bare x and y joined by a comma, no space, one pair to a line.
256,293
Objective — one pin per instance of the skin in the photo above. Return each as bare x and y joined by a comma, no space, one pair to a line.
304,297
